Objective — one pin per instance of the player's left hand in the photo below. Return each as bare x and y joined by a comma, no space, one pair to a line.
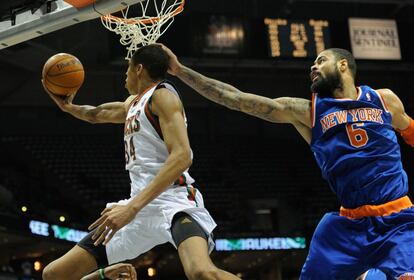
121,271
61,101
112,219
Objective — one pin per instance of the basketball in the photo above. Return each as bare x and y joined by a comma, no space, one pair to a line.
63,74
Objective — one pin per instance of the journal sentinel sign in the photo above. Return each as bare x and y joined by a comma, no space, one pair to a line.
44,229
374,38
252,244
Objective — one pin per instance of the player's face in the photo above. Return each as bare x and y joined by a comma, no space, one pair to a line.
131,81
325,75
128,84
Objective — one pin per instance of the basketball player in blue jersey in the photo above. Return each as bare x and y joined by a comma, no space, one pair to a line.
163,205
350,130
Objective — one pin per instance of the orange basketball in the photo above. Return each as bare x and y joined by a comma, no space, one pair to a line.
63,74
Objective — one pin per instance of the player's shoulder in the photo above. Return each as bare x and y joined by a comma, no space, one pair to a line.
167,84
128,101
165,97
385,91
391,100
388,95
165,100
130,98
166,90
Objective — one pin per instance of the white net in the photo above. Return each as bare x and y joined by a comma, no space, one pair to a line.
144,29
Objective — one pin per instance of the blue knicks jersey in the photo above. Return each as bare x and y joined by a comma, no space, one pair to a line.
357,150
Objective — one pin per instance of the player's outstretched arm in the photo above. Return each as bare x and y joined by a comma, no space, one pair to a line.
113,112
280,110
400,119
113,272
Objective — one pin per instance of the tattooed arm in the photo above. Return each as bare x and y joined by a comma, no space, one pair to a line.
296,111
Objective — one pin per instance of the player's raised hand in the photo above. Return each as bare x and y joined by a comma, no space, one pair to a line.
61,101
174,65
112,219
121,271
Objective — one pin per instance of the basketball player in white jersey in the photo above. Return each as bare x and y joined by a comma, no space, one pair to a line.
163,206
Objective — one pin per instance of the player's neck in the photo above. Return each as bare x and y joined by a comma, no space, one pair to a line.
347,90
144,86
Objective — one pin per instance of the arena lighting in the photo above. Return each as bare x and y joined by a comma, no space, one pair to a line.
62,218
24,209
58,232
37,266
224,35
261,244
152,271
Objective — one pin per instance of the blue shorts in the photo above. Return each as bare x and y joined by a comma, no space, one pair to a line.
343,248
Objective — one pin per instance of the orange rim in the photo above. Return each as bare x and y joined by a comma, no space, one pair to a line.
150,20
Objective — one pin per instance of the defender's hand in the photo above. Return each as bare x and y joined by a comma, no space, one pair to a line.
174,65
112,219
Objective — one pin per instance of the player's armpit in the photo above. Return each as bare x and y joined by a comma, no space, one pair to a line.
293,110
304,131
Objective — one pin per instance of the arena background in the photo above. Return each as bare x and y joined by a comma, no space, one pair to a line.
259,180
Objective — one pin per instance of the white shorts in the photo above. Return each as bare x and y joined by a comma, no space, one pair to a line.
152,225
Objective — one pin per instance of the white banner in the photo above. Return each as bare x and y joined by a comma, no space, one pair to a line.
374,39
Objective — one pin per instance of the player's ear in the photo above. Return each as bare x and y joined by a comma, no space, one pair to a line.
139,68
343,65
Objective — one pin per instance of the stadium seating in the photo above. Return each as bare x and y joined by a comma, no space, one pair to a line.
89,170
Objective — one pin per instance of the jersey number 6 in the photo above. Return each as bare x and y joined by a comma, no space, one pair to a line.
358,137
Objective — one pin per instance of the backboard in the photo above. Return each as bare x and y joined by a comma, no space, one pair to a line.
51,15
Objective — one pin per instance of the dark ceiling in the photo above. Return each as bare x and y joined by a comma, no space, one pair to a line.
331,9
88,34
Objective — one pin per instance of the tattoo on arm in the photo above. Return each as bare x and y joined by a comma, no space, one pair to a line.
284,109
214,90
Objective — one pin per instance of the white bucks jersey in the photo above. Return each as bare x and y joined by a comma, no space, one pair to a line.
145,150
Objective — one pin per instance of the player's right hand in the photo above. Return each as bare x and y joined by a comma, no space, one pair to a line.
174,65
121,271
61,101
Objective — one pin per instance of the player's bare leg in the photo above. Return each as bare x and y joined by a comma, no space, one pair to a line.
72,266
197,264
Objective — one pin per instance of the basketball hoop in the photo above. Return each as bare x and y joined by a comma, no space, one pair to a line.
145,29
